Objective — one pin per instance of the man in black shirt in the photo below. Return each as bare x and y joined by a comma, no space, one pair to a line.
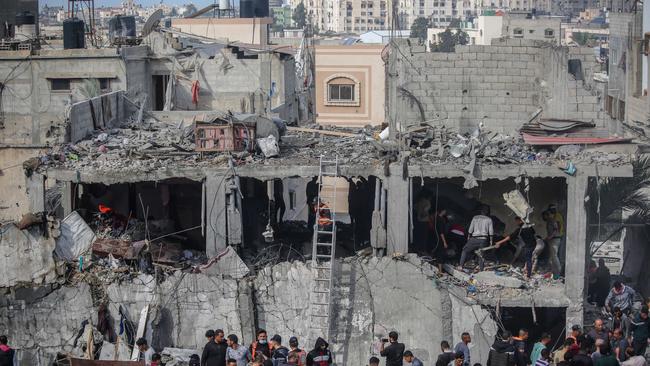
523,237
394,353
446,356
214,352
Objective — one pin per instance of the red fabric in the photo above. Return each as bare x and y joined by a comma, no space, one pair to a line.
4,348
104,209
195,92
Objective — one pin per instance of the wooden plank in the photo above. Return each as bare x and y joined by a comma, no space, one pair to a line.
84,362
144,314
324,132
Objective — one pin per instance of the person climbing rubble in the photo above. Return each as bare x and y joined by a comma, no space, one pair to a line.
620,296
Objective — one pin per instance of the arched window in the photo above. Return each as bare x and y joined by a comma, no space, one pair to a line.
342,89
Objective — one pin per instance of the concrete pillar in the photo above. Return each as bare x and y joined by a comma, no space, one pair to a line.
215,214
235,224
36,192
576,249
397,209
66,198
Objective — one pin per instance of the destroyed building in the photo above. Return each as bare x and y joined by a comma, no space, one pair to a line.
164,194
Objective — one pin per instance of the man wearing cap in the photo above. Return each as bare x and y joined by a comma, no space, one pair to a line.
412,360
293,349
280,354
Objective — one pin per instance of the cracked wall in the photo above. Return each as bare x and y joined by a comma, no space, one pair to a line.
371,297
43,321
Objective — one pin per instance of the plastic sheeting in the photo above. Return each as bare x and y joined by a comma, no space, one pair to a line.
76,238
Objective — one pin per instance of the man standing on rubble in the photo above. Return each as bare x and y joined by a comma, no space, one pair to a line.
480,234
6,352
553,240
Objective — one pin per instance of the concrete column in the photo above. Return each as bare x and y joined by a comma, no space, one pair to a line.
215,214
397,209
66,198
576,249
36,192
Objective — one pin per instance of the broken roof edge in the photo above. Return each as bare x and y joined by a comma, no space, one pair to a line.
265,172
546,296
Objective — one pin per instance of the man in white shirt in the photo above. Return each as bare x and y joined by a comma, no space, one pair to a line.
480,233
145,351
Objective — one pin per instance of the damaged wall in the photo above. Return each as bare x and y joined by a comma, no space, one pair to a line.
369,302
26,256
100,113
500,85
43,321
184,306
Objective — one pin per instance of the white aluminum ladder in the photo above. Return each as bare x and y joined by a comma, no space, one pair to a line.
324,246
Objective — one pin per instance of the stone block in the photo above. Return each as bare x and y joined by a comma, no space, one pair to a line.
469,56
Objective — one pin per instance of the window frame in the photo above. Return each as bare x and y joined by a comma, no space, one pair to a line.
352,82
58,89
549,33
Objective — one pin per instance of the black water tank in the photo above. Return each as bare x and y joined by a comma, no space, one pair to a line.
74,33
25,17
121,26
261,8
247,9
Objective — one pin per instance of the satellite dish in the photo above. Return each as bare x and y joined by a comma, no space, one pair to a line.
152,22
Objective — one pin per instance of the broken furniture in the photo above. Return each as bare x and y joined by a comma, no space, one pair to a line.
223,135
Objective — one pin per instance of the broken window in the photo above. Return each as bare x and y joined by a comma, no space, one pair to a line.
60,84
549,33
104,84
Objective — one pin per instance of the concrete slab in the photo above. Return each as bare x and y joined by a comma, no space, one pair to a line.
227,263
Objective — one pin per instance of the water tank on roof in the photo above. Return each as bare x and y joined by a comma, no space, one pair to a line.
25,26
261,8
246,9
224,4
74,33
121,28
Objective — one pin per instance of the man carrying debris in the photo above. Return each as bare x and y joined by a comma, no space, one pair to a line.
6,352
480,234
524,238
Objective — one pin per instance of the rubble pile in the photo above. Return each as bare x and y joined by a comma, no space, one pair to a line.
156,145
